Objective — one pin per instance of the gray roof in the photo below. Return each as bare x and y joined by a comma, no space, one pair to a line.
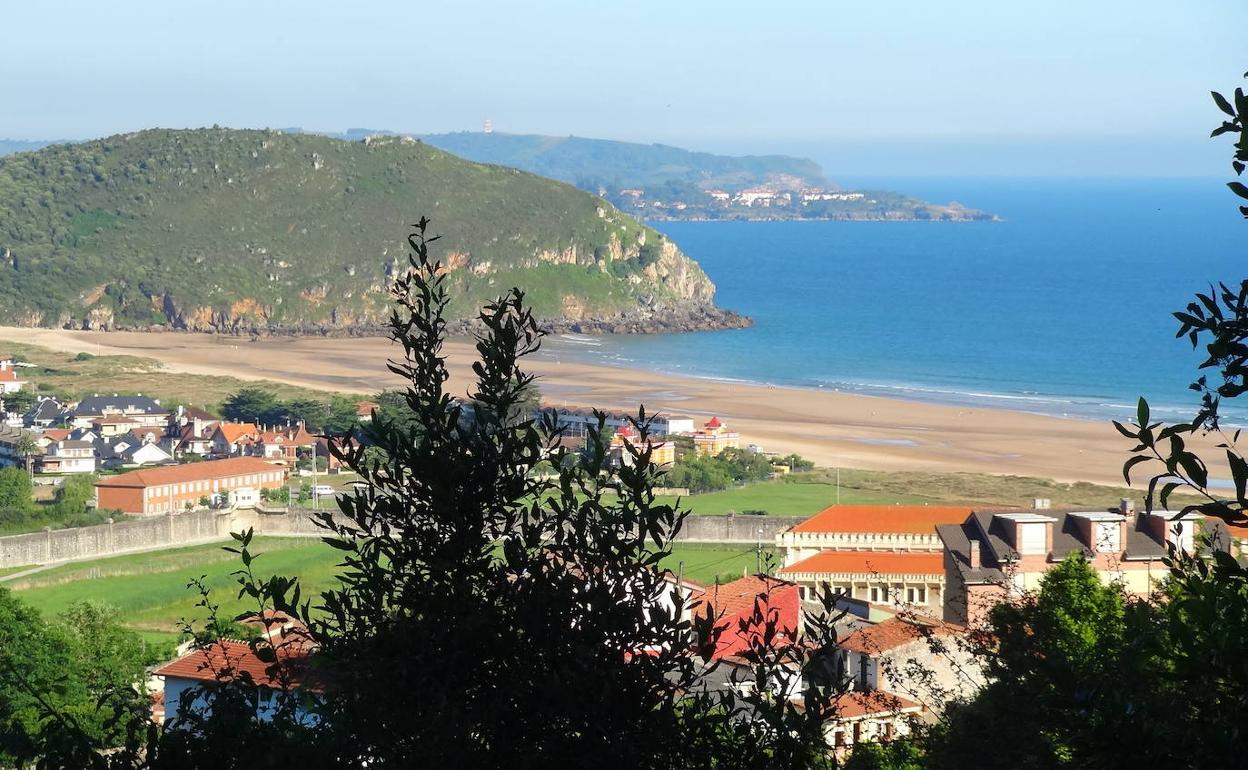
995,552
124,403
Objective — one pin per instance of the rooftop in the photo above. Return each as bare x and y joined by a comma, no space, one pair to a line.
228,660
884,519
889,635
869,562
211,469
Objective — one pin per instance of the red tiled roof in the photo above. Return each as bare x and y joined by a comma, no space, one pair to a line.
714,423
233,431
867,562
173,474
366,408
889,519
8,375
889,634
228,660
57,434
739,595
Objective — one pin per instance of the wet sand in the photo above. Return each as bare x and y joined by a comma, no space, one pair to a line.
833,429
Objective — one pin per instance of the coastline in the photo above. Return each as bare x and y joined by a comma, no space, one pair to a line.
831,428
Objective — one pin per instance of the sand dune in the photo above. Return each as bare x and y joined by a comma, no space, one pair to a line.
834,429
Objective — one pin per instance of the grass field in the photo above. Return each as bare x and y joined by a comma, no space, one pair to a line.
805,494
150,589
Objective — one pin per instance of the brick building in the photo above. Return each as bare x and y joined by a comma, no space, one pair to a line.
170,489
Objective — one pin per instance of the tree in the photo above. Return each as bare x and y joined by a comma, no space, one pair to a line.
533,603
20,402
53,679
16,492
250,404
25,447
73,495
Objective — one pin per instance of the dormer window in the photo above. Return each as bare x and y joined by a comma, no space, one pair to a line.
1100,531
1030,532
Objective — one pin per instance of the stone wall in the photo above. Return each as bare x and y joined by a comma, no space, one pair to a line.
63,545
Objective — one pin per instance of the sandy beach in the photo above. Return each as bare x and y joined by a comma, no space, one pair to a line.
833,429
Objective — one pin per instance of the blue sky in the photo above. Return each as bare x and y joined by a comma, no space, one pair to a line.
889,87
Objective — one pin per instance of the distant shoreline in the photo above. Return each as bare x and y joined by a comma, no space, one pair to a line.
833,429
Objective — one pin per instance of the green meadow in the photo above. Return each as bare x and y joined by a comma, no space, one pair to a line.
151,589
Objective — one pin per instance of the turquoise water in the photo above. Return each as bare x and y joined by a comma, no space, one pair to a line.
1063,309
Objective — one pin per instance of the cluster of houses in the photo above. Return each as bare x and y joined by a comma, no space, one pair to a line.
767,196
151,459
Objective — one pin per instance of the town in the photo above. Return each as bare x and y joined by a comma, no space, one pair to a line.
908,582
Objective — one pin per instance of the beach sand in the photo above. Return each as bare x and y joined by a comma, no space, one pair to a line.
833,429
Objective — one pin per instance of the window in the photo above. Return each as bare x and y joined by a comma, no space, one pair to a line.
916,594
879,593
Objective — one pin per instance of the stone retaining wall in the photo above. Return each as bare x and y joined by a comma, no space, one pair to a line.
172,531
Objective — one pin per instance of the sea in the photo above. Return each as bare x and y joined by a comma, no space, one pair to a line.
1062,308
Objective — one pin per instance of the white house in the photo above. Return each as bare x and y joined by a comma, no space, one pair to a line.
188,680
69,456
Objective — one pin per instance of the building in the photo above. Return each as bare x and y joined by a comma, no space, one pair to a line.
235,438
714,437
619,454
914,579
10,381
991,556
68,456
733,604
174,488
141,409
879,554
228,661
577,422
11,442
46,412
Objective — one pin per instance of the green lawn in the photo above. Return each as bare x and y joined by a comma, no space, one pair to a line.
150,589
805,494
783,498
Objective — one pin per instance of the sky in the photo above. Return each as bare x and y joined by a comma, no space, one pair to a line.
886,87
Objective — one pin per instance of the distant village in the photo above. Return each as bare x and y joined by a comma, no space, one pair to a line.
762,197
910,581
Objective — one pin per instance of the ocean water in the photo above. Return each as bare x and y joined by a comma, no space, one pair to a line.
1062,309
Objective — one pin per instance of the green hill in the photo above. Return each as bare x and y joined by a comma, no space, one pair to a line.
238,229
602,163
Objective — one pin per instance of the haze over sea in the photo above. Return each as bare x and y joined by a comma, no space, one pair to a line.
1061,309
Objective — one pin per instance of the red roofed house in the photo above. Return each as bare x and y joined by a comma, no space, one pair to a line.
9,381
882,554
714,437
735,601
173,488
235,438
229,661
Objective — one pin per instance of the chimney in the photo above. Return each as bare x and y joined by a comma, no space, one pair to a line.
1126,506
973,554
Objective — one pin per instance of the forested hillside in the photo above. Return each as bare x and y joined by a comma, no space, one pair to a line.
232,229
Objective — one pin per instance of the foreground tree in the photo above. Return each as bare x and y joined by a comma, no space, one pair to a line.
486,616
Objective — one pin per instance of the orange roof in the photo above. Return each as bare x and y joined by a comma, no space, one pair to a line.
57,434
228,660
366,408
8,375
233,431
713,423
860,704
738,596
867,562
890,519
173,474
888,635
